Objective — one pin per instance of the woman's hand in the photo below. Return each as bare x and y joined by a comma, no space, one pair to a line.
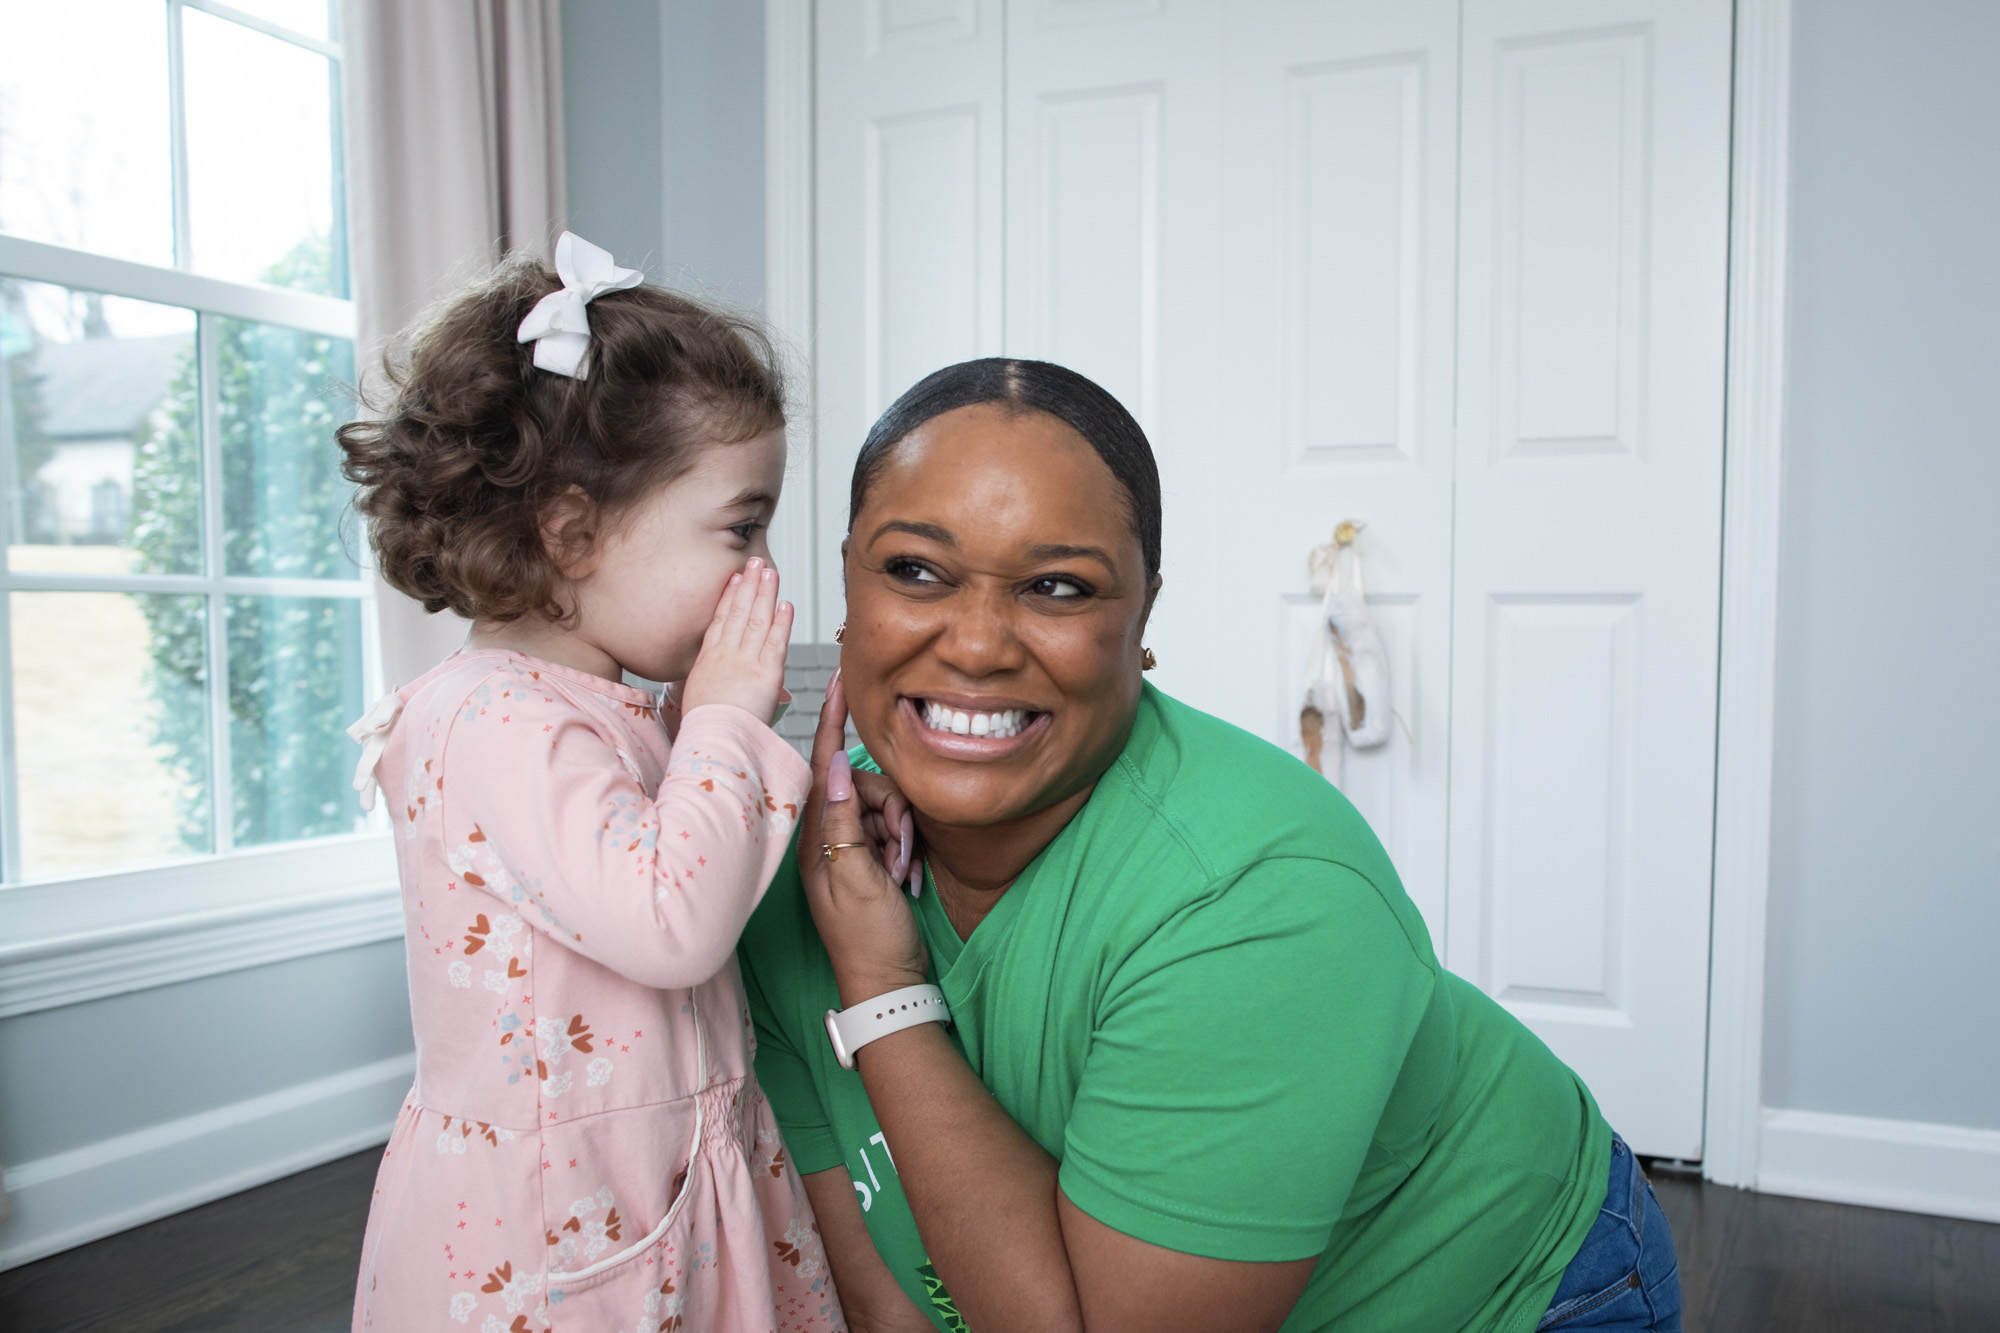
863,918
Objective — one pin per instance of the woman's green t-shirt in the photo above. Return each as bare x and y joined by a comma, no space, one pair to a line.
1211,1001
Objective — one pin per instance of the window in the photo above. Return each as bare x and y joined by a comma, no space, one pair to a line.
185,630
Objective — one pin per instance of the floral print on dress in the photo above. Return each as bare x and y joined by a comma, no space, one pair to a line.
574,881
593,1227
665,1308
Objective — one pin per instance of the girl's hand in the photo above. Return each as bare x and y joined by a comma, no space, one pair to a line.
863,919
742,659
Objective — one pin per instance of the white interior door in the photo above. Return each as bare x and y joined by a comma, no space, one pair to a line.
907,207
1453,269
1334,355
1112,233
1592,230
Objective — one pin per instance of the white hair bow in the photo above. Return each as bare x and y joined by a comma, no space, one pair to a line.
558,325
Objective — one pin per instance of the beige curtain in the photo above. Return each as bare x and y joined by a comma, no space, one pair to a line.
454,156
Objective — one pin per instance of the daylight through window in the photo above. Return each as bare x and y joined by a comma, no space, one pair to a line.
182,631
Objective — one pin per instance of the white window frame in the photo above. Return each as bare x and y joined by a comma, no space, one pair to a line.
74,938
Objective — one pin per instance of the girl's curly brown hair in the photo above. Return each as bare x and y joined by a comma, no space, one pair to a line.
474,443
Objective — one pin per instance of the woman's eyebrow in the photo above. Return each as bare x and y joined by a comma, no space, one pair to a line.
1052,551
930,531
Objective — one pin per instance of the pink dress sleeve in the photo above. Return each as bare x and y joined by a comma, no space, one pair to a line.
654,884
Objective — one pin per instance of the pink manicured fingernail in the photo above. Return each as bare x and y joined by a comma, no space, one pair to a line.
916,881
839,778
904,839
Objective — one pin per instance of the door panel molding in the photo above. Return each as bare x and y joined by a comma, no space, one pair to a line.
1353,162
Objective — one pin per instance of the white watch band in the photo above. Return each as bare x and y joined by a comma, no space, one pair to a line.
852,1028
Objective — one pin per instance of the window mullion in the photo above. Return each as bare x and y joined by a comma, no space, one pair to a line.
220,789
177,135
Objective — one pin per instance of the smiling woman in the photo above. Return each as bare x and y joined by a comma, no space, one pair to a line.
1203,1069
951,615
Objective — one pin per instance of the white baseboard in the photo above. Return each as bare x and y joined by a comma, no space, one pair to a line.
74,1197
1903,1164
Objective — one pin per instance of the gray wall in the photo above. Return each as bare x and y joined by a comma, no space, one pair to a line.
93,1071
612,126
663,126
1884,986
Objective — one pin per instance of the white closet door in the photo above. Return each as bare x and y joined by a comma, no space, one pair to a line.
1334,360
1594,150
1112,240
908,220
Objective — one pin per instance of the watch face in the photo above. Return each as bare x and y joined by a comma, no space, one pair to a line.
833,1036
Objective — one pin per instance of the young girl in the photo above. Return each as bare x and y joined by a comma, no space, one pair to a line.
584,472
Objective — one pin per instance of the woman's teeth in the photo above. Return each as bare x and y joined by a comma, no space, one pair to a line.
1009,723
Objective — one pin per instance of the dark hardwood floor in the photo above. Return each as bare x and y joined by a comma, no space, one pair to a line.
1761,1263
283,1257
280,1257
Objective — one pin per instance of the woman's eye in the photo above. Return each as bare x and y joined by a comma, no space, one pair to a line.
909,571
1053,585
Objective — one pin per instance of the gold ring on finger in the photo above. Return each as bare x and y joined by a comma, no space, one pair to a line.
831,850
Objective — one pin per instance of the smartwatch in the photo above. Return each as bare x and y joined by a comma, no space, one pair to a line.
852,1028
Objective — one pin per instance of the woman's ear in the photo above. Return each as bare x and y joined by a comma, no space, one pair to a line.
568,526
1152,595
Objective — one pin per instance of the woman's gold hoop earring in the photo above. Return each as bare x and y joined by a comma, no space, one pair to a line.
840,635
1146,659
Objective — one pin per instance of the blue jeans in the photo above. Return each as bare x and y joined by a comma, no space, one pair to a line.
1626,1275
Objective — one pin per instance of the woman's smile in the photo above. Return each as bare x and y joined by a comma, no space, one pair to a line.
956,726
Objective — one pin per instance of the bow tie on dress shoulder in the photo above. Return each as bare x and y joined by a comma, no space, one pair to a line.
372,731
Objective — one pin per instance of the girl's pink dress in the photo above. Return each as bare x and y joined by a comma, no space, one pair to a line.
585,1147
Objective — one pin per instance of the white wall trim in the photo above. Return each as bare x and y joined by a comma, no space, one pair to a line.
52,972
1904,1164
788,287
1753,433
66,941
74,1197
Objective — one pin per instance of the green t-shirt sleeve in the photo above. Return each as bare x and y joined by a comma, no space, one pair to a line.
782,1070
1240,1061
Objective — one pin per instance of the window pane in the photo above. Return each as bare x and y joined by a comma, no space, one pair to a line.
294,685
86,158
264,203
111,729
310,17
99,414
282,493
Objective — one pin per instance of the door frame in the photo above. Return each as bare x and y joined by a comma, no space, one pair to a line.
1753,449
1752,479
